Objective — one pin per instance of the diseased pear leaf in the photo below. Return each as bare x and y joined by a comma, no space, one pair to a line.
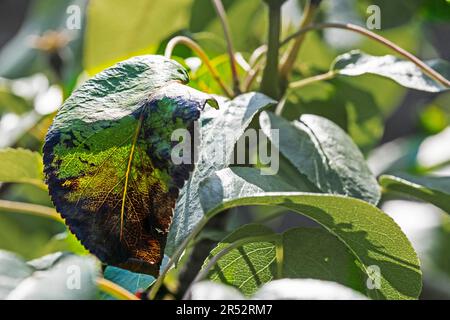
107,159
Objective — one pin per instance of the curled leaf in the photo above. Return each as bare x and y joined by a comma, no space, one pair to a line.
405,73
107,159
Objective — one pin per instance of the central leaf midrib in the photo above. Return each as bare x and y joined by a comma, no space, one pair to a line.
328,161
128,171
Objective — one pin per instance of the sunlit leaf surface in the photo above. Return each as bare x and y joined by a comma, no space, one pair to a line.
108,163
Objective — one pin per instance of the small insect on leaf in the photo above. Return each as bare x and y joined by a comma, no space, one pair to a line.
107,159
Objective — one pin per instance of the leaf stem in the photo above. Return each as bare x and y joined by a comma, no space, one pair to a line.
307,81
115,290
212,262
289,59
256,65
226,30
33,209
257,54
175,257
269,83
351,27
252,75
201,54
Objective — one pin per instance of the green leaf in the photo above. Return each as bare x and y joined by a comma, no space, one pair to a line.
303,253
131,281
289,174
324,153
117,30
404,36
108,158
55,276
371,235
405,73
219,132
21,166
435,190
353,108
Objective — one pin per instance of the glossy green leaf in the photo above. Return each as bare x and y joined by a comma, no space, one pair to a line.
405,73
435,190
108,158
371,235
219,132
21,166
302,253
405,36
324,153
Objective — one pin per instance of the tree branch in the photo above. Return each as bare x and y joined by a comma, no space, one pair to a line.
226,30
289,59
351,27
307,81
269,83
